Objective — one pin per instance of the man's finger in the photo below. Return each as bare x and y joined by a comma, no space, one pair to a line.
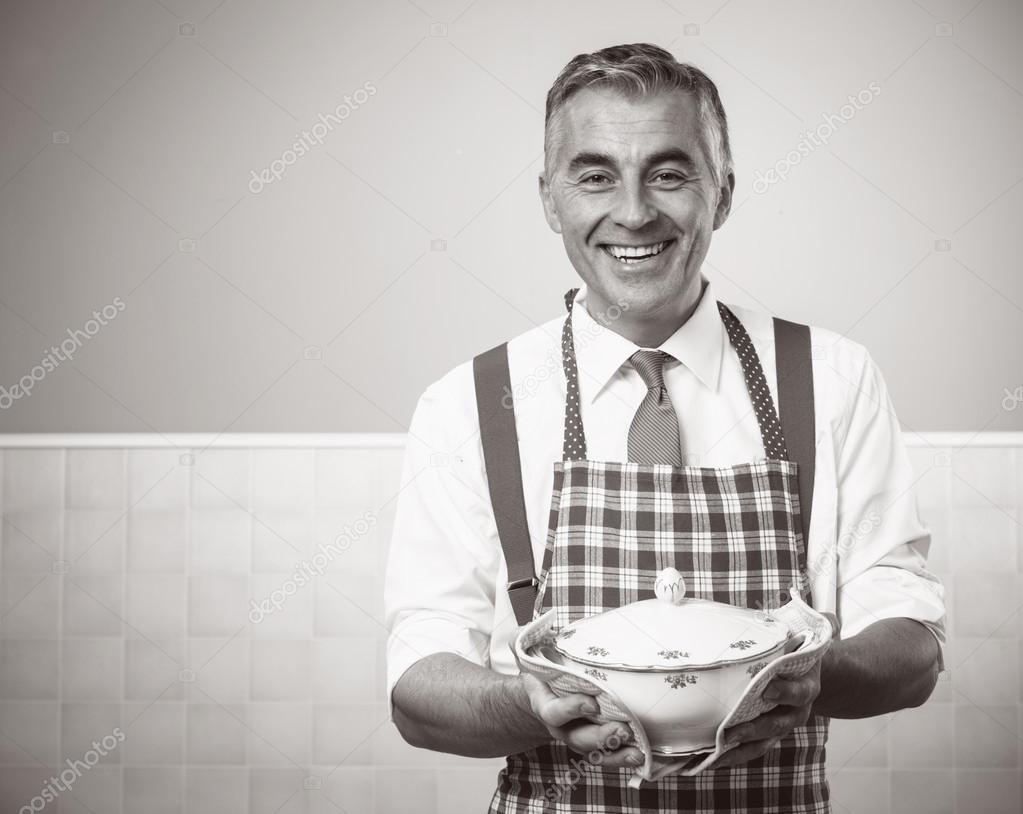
798,692
585,737
776,723
746,752
554,710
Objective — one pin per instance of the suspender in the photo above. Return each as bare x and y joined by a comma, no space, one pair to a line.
504,475
794,362
504,471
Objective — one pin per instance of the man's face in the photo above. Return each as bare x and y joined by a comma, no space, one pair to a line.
632,173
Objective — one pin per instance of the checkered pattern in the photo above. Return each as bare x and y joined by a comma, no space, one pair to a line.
735,535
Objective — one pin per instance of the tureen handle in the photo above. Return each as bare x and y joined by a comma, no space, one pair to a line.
670,586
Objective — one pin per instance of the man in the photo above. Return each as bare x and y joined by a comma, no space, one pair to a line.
655,376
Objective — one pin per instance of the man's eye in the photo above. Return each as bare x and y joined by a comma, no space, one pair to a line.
590,178
673,177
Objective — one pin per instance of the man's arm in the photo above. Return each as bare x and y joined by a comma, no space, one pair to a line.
446,703
891,665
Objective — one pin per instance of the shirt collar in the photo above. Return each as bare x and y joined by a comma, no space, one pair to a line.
600,351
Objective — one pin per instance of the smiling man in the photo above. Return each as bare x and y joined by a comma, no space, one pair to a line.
657,377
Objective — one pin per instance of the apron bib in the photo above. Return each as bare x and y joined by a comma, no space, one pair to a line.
736,535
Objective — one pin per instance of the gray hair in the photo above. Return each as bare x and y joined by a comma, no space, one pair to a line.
640,70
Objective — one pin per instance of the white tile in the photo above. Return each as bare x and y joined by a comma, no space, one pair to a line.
987,671
93,605
352,788
30,732
217,790
280,540
282,480
923,737
157,541
221,541
153,790
347,480
98,790
469,789
340,733
29,605
987,737
984,476
276,791
221,668
284,606
152,669
22,782
990,792
985,538
156,606
83,723
95,540
357,610
984,603
918,790
858,743
154,733
348,545
33,479
95,479
407,790
217,734
31,542
92,669
218,604
280,671
157,480
344,670
28,669
861,791
280,733
221,479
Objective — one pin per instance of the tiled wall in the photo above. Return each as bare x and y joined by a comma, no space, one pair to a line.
125,597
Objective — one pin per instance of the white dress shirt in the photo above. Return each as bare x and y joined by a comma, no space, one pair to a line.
446,575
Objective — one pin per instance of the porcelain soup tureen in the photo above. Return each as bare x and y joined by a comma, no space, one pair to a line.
679,664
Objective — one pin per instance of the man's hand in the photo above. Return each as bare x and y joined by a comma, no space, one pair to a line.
795,699
566,718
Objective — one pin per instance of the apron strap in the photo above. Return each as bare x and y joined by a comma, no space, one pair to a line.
794,362
496,410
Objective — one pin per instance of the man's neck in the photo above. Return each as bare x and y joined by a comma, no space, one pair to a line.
647,332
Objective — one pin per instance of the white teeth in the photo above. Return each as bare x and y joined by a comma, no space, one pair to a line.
638,251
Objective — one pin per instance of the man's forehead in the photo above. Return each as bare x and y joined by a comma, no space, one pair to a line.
600,118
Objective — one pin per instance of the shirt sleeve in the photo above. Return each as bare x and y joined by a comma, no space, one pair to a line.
882,543
444,551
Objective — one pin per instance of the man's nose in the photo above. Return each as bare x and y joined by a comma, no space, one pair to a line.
633,207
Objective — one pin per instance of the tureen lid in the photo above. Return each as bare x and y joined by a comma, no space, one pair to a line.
670,632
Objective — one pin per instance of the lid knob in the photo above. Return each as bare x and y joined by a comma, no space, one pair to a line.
670,586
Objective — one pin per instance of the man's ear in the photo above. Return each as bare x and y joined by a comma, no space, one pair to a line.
724,201
549,210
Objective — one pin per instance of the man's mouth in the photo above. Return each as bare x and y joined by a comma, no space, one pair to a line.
630,255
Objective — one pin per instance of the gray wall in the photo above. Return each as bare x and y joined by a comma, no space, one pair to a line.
130,133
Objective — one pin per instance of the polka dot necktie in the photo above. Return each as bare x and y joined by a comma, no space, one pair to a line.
654,436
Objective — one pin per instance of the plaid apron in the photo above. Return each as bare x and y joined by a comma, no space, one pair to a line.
734,533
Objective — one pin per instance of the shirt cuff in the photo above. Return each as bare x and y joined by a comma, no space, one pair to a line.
415,638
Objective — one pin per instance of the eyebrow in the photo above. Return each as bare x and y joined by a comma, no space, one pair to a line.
671,155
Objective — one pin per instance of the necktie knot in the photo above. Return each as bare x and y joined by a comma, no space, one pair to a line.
650,366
